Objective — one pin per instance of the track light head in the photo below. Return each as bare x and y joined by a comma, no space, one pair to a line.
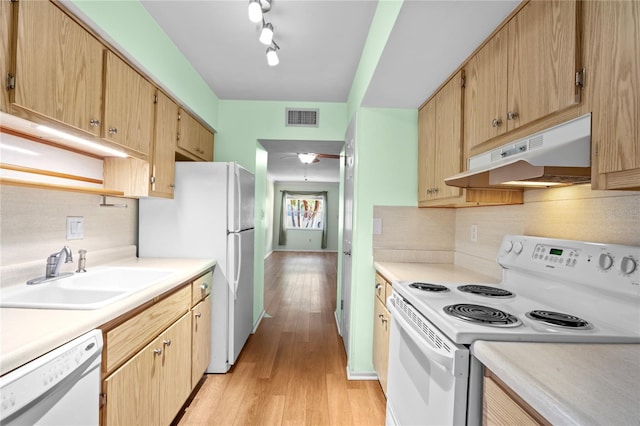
266,35
272,57
255,11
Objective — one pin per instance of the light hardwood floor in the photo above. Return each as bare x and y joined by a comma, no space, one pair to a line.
292,371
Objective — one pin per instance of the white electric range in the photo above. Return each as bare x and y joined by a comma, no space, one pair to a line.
552,291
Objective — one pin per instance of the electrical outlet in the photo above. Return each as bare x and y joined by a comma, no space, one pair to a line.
474,233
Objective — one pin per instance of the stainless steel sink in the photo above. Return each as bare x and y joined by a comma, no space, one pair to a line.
91,290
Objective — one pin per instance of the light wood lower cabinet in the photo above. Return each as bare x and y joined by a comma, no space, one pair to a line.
381,327
150,388
502,407
155,355
201,338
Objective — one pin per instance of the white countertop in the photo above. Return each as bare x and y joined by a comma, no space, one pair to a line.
434,272
25,334
570,384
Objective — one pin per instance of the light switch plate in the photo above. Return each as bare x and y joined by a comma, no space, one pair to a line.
377,226
75,227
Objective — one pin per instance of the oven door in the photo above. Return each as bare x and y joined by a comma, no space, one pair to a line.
428,373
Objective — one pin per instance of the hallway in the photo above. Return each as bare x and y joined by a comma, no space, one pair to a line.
292,371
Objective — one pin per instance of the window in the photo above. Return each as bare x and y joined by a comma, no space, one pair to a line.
304,212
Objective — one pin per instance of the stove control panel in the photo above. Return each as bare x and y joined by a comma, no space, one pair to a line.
594,264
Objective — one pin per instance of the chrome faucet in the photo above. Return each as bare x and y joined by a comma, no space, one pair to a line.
54,261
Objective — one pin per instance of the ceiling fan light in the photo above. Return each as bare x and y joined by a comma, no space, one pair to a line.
307,158
272,57
266,36
255,11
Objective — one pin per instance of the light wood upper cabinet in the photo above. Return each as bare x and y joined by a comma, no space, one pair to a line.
58,68
5,55
128,107
612,91
164,147
440,142
194,140
525,72
485,99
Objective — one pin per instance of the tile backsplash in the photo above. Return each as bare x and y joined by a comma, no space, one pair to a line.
33,225
575,212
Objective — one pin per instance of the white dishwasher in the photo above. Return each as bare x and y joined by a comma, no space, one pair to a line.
62,387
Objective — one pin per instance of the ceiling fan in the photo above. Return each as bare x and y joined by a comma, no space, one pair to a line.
310,157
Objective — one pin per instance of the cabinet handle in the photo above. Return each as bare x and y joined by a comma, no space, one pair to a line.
429,191
94,123
204,287
113,131
166,342
198,315
435,190
512,115
496,122
157,351
378,286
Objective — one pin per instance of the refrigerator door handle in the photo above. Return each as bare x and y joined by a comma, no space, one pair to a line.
236,279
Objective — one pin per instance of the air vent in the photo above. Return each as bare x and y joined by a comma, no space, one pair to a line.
302,117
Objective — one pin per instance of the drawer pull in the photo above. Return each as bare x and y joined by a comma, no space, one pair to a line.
157,351
166,342
204,286
198,315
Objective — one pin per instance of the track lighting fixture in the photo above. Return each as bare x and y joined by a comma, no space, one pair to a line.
257,9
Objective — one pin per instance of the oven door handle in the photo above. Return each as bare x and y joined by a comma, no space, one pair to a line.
434,354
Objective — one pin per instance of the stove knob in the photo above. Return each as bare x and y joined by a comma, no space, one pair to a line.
508,245
517,248
605,261
628,265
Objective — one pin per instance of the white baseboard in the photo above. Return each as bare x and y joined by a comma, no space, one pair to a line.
268,254
361,375
308,251
257,323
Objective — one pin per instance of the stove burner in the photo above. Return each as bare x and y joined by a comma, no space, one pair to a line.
483,315
434,288
484,290
559,319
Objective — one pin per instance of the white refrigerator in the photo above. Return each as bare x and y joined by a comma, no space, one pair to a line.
210,216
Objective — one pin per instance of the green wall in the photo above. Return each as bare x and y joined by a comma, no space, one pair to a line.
386,144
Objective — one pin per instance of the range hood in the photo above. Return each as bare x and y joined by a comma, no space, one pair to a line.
560,155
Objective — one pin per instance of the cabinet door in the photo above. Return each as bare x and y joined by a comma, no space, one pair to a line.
130,390
188,133
426,149
175,384
485,93
206,144
447,159
201,339
542,61
58,67
128,106
5,43
612,62
164,147
381,342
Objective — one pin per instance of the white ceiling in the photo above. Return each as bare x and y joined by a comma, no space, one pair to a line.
321,43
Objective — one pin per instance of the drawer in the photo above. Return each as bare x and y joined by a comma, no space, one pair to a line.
201,288
381,287
124,340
